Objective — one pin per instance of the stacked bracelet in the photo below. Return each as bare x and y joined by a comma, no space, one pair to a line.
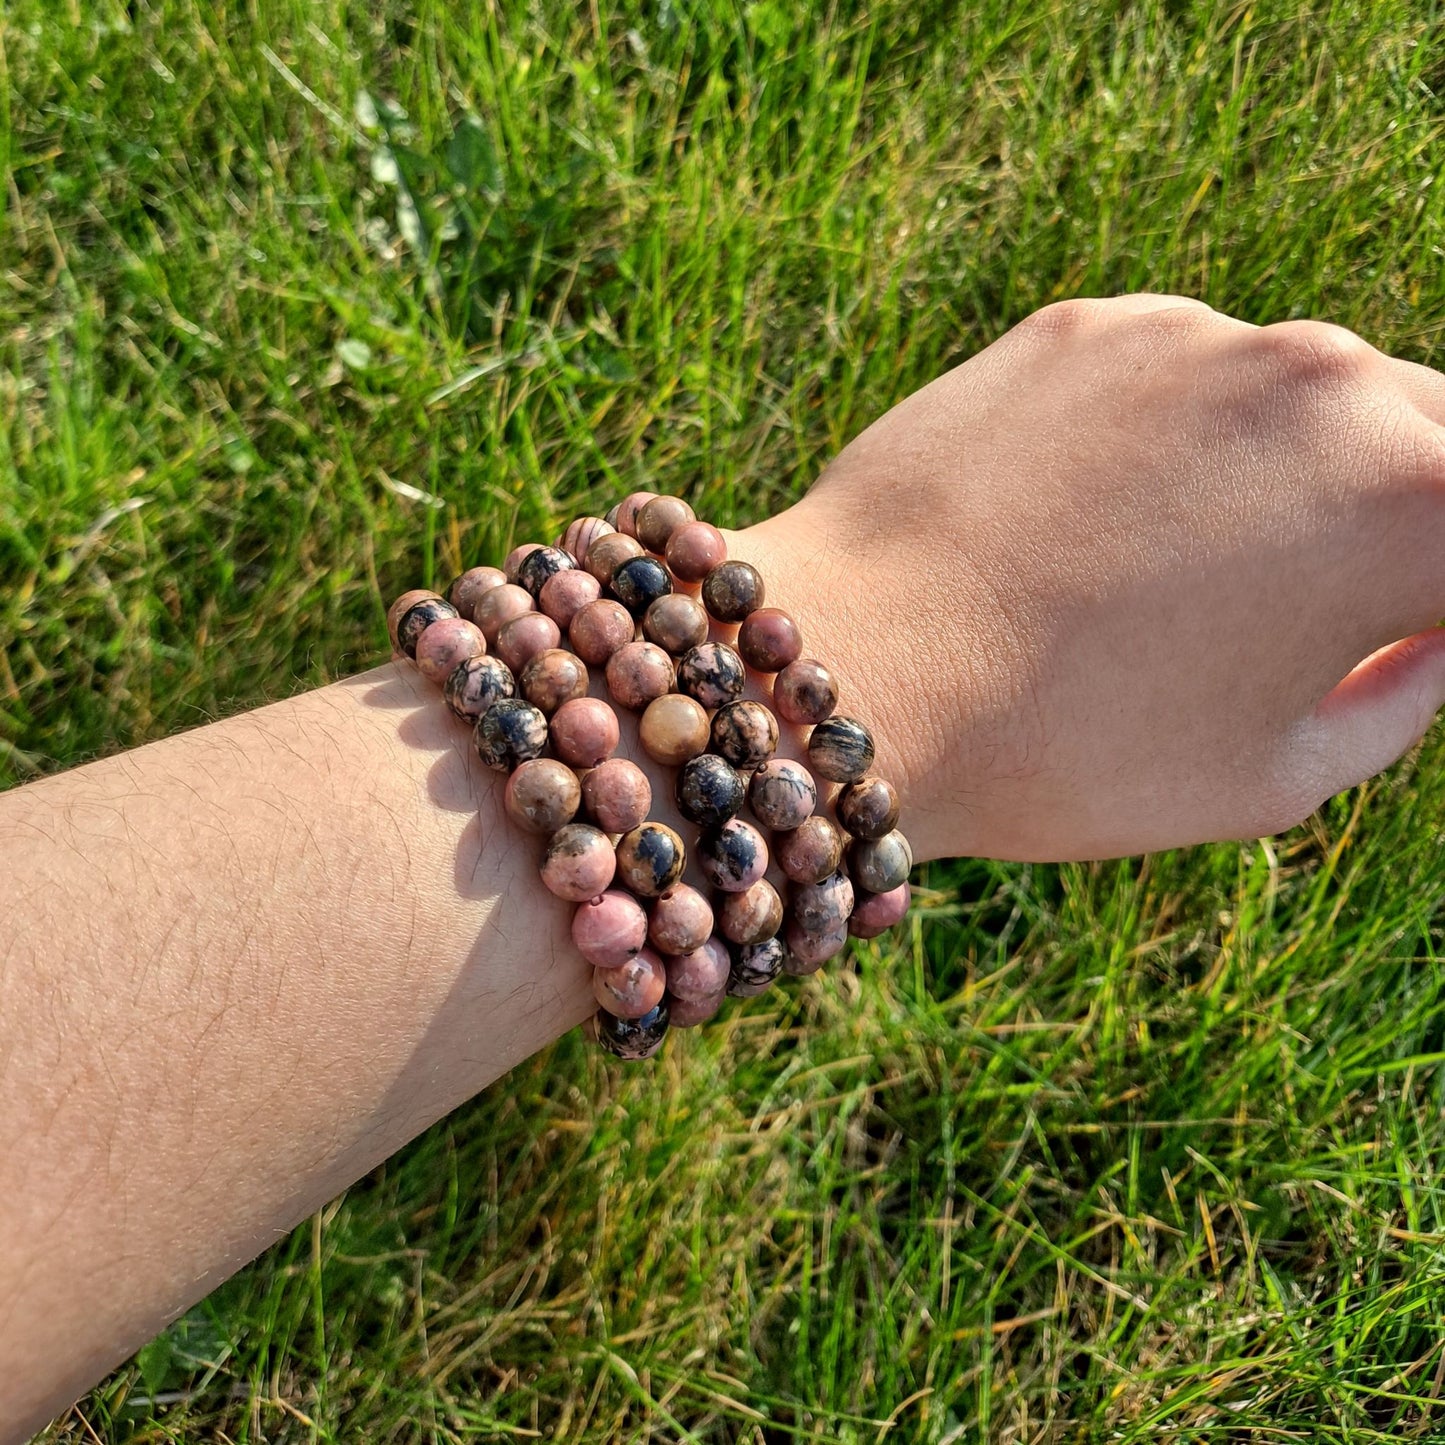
511,648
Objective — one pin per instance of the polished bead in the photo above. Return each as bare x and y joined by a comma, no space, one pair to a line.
673,729
821,906
417,618
782,794
608,553
732,590
755,966
616,794
689,1013
609,929
804,692
445,645
868,808
769,639
811,851
840,749
553,677
752,915
521,639
681,921
401,607
510,732
650,859
701,972
538,567
876,913
599,629
474,685
514,559
694,550
584,732
499,606
709,790
809,949
633,988
637,673
633,1038
659,519
879,865
579,862
745,733
467,590
542,795
732,856
676,623
565,594
639,582
581,533
628,509
712,673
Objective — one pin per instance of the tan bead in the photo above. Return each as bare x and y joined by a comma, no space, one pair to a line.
599,629
676,623
608,553
659,519
673,729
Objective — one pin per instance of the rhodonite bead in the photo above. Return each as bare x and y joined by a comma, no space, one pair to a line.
809,949
417,618
474,685
565,594
804,692
521,639
840,749
637,673
633,988
752,915
812,851
745,733
512,565
709,790
881,864
627,510
650,859
579,863
782,794
699,973
676,623
688,1014
732,856
467,590
868,808
694,550
639,582
599,629
401,607
510,732
584,732
617,795
876,913
553,677
633,1038
659,519
769,639
542,795
538,567
608,553
755,966
609,929
732,590
498,606
673,729
445,645
818,907
712,673
681,921
581,533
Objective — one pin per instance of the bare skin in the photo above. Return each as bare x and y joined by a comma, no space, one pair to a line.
1096,592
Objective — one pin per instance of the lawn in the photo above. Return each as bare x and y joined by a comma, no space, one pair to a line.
305,301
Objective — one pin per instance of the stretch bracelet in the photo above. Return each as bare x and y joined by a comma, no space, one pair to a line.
511,648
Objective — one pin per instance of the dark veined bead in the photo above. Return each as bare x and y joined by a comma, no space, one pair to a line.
840,749
731,591
709,790
510,732
755,966
538,567
475,685
415,620
639,582
633,1038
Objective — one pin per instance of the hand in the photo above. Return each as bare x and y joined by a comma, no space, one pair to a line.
1136,576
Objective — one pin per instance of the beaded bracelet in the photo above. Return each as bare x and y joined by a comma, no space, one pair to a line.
495,645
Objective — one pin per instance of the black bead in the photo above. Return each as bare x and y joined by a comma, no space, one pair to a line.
511,731
634,1038
536,567
755,966
416,620
709,790
639,582
745,733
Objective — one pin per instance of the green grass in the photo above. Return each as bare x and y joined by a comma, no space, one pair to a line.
1136,1151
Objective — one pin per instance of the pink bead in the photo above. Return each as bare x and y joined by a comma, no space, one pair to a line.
500,605
694,550
585,732
467,590
403,605
521,639
565,594
580,863
804,692
701,973
515,558
752,915
637,673
769,639
685,1014
814,949
633,989
681,921
876,913
617,795
627,512
599,629
445,644
582,533
609,929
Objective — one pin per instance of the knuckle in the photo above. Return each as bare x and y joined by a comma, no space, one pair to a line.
1314,353
1060,318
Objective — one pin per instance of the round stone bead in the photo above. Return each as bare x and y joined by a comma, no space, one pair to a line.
417,618
745,733
681,921
584,732
633,1038
632,989
804,692
579,863
498,606
538,567
510,732
712,673
521,639
673,729
688,1014
701,972
445,645
812,851
876,913
650,859
755,966
881,864
553,677
581,533
694,549
676,623
565,594
752,915
840,749
659,519
542,795
731,591
609,929
617,795
401,607
769,639
474,685
639,582
599,629
709,790
782,794
732,856
514,559
608,553
467,590
809,949
819,907
868,808
637,673
627,510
